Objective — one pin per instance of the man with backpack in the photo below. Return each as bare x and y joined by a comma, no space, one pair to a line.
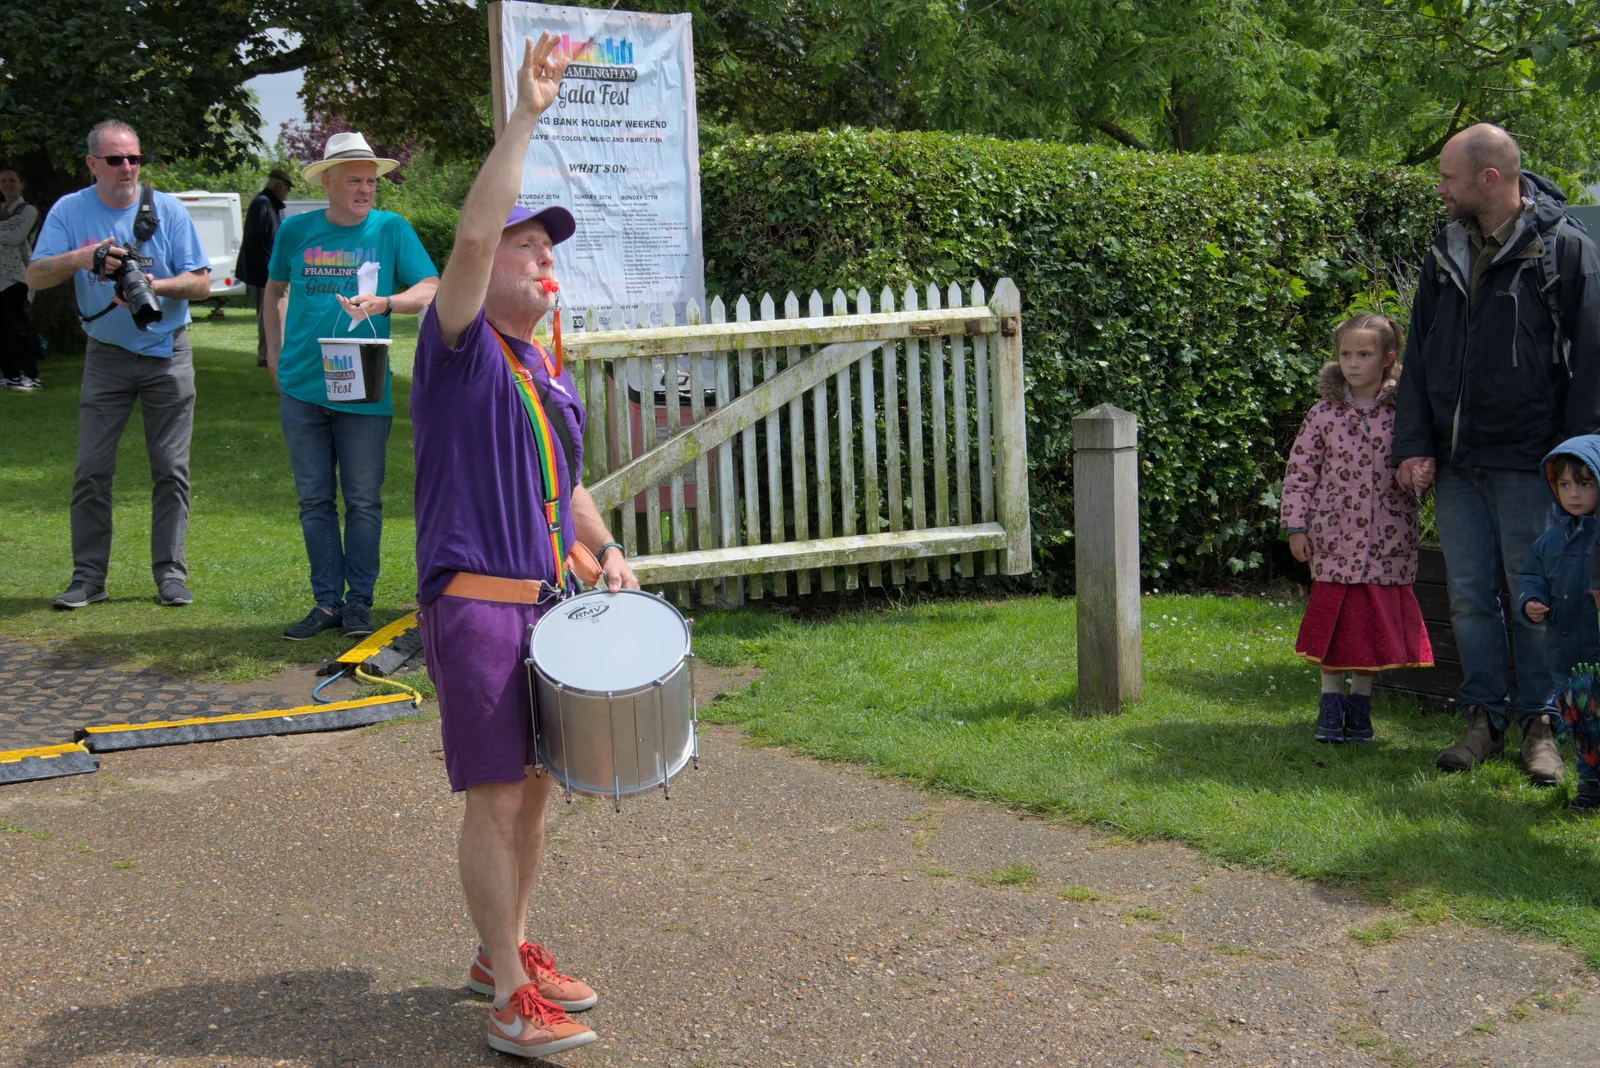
1502,364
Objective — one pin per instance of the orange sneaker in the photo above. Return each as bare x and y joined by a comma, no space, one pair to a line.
530,1026
540,966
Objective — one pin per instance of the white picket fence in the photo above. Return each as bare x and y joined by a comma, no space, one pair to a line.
801,450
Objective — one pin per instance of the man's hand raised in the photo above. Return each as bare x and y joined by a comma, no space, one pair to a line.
539,79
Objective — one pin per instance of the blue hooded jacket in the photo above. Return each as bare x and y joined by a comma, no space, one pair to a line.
1557,571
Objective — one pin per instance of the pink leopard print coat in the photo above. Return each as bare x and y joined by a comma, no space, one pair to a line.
1340,489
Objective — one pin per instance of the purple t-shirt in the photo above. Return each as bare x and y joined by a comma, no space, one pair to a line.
479,504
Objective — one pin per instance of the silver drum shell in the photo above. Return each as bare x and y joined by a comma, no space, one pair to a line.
618,743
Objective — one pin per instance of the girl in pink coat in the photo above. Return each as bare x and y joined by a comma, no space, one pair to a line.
1345,515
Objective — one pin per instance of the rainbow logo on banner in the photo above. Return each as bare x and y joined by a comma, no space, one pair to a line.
609,53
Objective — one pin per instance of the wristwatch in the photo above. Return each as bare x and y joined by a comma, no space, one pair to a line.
607,547
388,305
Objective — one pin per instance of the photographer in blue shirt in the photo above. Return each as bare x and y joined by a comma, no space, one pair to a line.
136,314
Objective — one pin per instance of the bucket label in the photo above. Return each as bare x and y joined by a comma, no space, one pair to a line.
341,373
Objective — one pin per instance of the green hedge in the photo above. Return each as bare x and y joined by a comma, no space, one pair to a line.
1195,291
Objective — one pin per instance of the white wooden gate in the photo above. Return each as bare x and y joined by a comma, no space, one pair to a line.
804,450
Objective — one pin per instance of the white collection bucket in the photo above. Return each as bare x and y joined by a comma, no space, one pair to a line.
353,368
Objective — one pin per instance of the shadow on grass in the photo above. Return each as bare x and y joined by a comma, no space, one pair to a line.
300,1016
1509,853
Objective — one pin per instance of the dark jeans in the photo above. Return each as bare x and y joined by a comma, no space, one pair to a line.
19,348
1488,519
113,378
330,451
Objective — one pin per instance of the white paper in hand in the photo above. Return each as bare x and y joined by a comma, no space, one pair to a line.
366,283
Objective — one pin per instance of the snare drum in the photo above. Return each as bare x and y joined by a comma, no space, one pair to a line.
613,711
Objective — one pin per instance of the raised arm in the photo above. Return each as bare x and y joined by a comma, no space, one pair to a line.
494,193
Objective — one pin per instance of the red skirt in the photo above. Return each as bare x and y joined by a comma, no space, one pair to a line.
1363,628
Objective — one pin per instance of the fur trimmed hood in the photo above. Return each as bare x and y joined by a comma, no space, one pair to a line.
1331,384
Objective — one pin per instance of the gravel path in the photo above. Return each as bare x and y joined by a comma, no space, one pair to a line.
293,902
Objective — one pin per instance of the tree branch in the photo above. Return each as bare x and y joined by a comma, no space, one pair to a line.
1113,131
1523,51
1423,154
302,56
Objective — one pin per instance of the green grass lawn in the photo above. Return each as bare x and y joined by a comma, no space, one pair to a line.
972,697
979,698
247,562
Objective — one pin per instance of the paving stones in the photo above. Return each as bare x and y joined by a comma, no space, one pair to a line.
293,902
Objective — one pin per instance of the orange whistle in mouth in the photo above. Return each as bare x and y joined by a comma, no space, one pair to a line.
552,286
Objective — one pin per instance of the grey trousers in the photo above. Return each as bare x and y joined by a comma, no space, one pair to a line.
257,294
112,378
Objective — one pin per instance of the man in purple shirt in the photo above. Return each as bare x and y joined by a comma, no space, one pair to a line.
486,558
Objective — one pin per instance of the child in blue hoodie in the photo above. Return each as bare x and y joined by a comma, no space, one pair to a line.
1555,591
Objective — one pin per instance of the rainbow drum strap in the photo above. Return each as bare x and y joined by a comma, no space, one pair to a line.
545,442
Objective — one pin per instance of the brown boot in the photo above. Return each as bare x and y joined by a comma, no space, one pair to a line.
1480,742
1540,758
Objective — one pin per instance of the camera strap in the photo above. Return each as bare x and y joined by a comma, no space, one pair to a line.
144,228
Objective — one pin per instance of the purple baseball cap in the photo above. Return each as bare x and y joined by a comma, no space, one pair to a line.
556,220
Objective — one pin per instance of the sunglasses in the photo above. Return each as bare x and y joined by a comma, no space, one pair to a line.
117,161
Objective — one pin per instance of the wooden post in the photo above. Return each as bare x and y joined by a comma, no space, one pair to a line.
1011,428
1105,489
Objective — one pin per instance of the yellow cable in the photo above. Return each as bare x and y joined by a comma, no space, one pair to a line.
416,698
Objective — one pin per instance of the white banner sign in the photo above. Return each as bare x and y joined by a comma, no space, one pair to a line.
619,149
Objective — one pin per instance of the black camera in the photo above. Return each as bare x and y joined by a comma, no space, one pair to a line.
132,285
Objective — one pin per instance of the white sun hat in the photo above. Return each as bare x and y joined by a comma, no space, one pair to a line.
347,148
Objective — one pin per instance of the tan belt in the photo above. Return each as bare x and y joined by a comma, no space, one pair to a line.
489,588
522,591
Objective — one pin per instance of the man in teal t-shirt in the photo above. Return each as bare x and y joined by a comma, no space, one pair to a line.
314,290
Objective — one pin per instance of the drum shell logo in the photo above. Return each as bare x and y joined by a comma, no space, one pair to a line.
588,611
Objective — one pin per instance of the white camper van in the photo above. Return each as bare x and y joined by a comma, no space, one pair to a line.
221,227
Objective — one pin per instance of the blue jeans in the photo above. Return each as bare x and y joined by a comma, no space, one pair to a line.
329,450
1488,519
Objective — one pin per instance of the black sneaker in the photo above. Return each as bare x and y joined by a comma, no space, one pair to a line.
1358,718
357,620
174,593
1330,718
1587,799
317,620
78,595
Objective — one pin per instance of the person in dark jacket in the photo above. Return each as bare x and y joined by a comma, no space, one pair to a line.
1555,593
1554,590
1494,380
255,248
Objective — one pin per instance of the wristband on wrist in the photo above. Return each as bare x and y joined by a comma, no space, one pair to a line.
1295,530
601,555
388,305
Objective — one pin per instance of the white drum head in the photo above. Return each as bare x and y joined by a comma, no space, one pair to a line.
600,642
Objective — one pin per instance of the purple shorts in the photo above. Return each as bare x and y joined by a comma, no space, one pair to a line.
475,652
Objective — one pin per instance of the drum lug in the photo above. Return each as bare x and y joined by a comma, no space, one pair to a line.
661,735
694,734
616,781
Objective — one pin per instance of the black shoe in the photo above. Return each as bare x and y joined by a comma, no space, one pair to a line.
174,593
357,620
1358,718
317,620
1587,799
78,595
1330,718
